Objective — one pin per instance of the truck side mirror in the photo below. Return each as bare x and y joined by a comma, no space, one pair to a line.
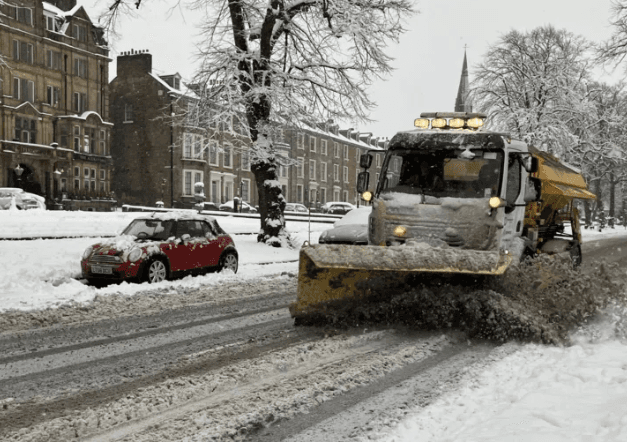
530,164
362,181
533,190
365,161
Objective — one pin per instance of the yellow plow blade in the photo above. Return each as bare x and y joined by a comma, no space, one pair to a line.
342,272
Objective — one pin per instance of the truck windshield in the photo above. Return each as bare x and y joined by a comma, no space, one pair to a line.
459,173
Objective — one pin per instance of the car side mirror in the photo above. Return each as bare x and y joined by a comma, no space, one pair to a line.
365,161
362,182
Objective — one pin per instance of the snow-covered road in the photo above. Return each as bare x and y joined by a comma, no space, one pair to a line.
520,392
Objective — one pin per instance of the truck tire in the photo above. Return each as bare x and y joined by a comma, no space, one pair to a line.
575,255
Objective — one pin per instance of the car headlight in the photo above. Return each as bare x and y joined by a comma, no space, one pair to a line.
87,252
134,254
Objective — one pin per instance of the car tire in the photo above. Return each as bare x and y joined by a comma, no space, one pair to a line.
156,271
229,261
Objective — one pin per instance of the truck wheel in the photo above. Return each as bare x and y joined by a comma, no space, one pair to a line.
229,261
156,271
575,255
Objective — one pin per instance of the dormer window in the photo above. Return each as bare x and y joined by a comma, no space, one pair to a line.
79,32
51,23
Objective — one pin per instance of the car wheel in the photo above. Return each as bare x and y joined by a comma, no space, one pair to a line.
157,271
229,261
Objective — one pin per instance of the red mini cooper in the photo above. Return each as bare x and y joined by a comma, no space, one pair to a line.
159,247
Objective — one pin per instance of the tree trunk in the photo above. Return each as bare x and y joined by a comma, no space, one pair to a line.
271,203
612,200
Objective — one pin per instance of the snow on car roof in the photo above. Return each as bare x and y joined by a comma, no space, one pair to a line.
172,215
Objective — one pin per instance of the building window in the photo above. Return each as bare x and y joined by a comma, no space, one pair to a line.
25,130
336,150
51,23
213,152
187,146
102,174
323,147
23,89
77,138
23,51
312,144
336,194
199,153
80,102
313,195
345,174
283,171
246,160
300,141
64,136
299,193
24,15
187,185
103,142
357,154
246,190
323,171
378,160
53,60
63,185
345,152
312,170
80,67
77,184
345,196
79,32
336,173
53,95
128,113
323,196
300,171
228,156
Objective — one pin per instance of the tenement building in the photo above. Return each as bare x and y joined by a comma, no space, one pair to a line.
54,133
162,146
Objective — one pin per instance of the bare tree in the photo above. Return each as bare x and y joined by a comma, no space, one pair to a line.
614,50
534,85
282,62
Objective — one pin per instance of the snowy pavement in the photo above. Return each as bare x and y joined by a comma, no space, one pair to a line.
537,393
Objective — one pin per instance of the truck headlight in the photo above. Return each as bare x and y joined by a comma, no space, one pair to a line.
367,195
134,254
495,202
400,231
87,252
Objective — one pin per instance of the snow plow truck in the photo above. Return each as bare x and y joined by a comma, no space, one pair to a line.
452,199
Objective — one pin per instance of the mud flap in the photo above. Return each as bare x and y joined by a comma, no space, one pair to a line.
329,274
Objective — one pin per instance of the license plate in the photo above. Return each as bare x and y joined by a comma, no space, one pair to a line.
102,270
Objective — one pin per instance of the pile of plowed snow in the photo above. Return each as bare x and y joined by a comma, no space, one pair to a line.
539,300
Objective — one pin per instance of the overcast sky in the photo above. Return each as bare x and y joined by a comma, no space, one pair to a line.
428,58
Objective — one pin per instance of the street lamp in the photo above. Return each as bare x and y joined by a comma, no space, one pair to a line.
18,172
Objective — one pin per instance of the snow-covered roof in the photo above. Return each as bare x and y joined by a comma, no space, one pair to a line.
341,138
184,91
61,13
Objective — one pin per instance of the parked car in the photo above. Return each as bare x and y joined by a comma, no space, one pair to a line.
352,228
210,206
337,208
246,208
295,207
23,200
159,247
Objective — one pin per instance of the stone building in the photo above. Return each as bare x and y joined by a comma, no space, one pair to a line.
54,128
161,148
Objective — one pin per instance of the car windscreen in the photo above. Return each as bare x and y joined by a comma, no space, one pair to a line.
155,229
459,173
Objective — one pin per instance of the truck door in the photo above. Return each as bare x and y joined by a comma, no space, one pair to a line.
515,205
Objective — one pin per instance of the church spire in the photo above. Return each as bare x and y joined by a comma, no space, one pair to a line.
462,104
